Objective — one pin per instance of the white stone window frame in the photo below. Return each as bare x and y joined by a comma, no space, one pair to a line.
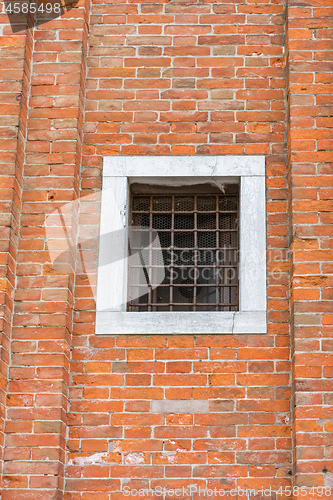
118,173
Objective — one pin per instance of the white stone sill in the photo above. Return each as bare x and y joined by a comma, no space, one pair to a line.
191,323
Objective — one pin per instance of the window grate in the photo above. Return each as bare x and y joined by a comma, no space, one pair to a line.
193,264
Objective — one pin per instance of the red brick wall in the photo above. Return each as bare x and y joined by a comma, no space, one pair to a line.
170,78
50,147
15,61
310,85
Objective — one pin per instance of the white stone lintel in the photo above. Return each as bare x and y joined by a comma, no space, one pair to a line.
183,166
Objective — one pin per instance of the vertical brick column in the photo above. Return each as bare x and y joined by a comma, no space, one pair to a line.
15,54
309,44
42,324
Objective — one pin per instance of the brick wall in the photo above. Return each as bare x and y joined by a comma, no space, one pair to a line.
167,78
50,148
309,37
15,57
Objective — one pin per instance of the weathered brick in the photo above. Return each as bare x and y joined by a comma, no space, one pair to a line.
179,79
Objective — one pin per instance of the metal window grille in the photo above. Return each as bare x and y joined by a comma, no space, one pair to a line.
184,252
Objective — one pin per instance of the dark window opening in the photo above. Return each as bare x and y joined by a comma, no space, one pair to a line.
184,249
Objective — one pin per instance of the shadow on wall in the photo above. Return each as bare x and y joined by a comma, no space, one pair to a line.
41,11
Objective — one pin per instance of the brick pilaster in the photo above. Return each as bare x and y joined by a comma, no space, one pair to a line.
309,41
15,58
42,325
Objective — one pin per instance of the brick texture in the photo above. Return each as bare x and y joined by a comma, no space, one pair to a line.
15,57
164,78
309,85
50,148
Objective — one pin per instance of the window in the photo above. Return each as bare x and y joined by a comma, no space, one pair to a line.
182,245
197,256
